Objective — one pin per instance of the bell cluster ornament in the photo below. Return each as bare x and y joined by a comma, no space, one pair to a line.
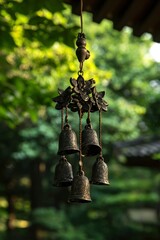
83,98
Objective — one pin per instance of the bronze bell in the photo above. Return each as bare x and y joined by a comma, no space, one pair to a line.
100,172
80,190
63,173
67,141
90,143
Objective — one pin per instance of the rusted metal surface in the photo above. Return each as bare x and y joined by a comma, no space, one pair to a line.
63,173
90,143
67,141
80,190
82,95
100,172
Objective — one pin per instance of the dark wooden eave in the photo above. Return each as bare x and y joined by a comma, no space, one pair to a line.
143,16
139,152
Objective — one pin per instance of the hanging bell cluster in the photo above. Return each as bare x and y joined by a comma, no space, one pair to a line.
81,97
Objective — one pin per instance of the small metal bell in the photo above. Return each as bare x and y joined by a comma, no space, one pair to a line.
80,190
67,141
90,143
100,172
63,173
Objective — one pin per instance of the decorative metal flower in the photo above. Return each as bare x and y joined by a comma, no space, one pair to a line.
63,99
76,102
82,93
98,102
82,87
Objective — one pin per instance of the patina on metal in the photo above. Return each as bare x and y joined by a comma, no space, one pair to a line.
100,172
63,173
81,97
81,52
80,190
67,141
84,93
90,142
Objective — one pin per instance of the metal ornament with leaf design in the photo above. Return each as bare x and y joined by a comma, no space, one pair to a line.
82,97
83,93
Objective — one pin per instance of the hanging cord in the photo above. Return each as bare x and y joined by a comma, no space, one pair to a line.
100,130
81,52
62,118
62,126
89,118
80,142
81,26
66,117
81,16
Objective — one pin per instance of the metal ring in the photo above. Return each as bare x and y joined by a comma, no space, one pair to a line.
80,73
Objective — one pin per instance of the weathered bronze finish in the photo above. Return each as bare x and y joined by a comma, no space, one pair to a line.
81,97
90,143
67,141
81,52
63,173
80,190
100,172
83,93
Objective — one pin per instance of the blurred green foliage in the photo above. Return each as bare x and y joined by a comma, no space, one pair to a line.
37,56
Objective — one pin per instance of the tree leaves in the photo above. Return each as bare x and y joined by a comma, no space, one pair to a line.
29,7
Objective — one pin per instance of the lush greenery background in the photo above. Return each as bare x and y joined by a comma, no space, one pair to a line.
37,55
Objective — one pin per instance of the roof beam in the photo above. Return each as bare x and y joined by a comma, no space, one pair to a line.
134,14
141,15
150,22
108,9
87,5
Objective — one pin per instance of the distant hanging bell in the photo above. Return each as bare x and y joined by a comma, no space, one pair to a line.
80,190
90,143
63,173
67,141
100,172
